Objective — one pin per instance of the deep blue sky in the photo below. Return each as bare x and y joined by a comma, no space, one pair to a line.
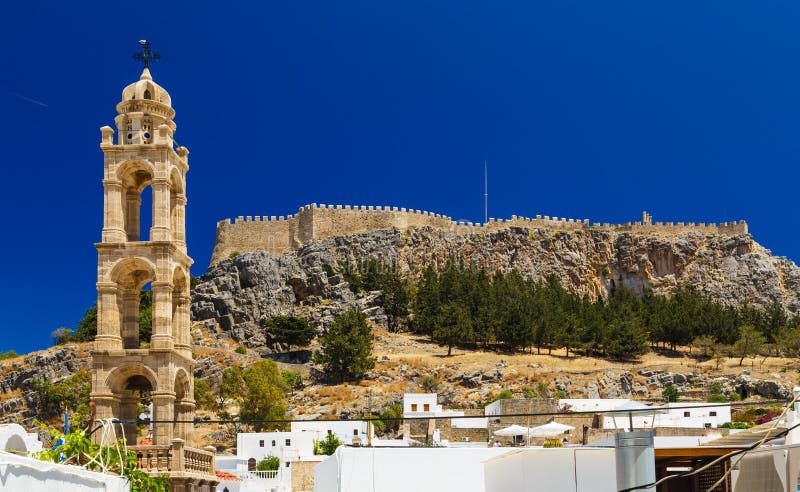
584,109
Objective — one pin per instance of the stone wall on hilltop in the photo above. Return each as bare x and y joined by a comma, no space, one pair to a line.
282,234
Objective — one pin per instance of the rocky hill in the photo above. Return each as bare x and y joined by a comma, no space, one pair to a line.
237,294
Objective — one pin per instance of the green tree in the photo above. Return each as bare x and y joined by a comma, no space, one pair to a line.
71,394
269,463
788,341
61,336
87,326
327,446
346,348
289,330
8,355
627,339
455,327
749,343
427,303
670,394
203,396
705,344
264,396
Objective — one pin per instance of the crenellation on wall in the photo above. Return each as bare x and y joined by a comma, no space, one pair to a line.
281,234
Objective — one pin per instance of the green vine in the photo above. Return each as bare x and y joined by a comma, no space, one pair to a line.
78,449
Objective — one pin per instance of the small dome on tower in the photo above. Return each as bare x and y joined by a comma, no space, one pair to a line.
145,88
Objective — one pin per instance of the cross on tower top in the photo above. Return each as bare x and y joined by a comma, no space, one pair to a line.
146,55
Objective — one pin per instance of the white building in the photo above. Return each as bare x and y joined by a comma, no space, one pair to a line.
580,469
404,469
350,433
289,447
422,405
13,437
23,473
682,415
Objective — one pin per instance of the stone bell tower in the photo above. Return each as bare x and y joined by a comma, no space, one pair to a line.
124,366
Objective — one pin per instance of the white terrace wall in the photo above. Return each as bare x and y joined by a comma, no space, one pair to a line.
280,234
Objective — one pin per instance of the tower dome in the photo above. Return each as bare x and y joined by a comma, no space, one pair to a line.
146,89
145,106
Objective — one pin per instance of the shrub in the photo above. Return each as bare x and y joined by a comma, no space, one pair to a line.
269,463
735,425
430,383
670,394
328,445
289,330
292,379
241,349
234,254
8,355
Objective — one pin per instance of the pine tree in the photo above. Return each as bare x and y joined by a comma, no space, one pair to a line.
346,348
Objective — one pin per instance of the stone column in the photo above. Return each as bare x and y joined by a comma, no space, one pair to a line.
163,409
162,316
133,204
104,404
184,410
179,219
108,318
128,411
161,216
130,319
113,225
180,321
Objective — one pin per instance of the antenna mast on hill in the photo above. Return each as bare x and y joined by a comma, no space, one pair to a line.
485,192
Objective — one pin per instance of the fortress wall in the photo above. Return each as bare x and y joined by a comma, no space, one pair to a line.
273,234
280,235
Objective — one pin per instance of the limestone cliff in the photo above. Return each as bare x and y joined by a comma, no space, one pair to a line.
242,291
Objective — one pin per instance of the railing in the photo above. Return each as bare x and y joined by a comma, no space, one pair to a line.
175,458
154,459
198,461
258,475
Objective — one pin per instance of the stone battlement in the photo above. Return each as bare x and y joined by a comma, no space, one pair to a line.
280,234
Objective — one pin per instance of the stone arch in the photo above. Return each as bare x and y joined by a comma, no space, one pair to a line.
127,382
119,377
128,276
15,443
135,175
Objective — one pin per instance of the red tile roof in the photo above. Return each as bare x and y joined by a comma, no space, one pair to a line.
226,476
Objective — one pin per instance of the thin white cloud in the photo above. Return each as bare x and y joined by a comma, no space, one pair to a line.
25,98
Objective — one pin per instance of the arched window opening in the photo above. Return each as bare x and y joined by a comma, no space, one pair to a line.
183,409
147,94
134,301
251,464
135,403
137,204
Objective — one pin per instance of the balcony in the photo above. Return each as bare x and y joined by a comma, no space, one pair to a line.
175,459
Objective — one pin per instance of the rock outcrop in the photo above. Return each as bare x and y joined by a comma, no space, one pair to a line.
243,291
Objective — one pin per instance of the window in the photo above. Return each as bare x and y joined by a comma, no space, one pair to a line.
273,443
355,432
261,443
288,442
413,407
426,407
712,414
687,414
287,464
